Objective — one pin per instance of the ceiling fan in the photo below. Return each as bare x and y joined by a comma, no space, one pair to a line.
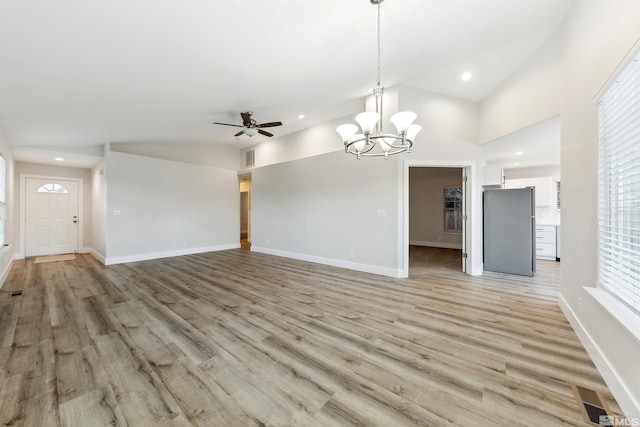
250,126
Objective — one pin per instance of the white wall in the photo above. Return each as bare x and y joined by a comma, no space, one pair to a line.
426,206
598,37
337,210
448,139
217,156
99,211
327,209
319,139
530,95
7,252
168,208
60,172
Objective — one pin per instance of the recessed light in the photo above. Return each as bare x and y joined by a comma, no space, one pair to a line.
301,116
59,159
519,153
466,76
516,164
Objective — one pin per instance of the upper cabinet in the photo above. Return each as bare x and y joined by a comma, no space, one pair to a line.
545,189
493,176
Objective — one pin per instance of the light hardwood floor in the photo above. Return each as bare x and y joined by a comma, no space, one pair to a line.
236,338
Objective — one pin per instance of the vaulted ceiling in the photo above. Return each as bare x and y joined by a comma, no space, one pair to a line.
83,73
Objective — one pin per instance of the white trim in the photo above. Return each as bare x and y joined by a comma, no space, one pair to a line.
5,273
624,398
166,254
474,218
22,235
436,244
95,254
366,268
626,317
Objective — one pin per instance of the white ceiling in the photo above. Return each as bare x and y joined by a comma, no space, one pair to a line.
77,72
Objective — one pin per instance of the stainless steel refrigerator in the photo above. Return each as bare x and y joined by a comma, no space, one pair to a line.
509,228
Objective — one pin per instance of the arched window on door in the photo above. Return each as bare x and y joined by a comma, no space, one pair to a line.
52,188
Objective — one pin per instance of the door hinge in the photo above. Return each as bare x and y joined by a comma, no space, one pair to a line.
464,179
464,255
465,217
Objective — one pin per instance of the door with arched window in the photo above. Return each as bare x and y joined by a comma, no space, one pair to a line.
51,217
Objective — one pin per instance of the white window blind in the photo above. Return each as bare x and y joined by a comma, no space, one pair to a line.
3,201
619,187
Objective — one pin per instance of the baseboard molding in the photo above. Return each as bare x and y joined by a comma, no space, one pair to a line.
97,255
7,269
366,268
616,385
436,244
167,254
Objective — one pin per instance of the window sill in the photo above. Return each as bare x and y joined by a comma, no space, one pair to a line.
626,317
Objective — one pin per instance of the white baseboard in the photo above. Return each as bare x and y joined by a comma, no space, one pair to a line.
627,403
366,268
167,254
97,255
436,244
7,269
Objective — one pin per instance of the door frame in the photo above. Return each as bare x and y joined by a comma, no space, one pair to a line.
471,227
22,236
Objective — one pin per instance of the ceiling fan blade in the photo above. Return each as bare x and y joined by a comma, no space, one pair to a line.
269,125
265,133
227,124
239,133
246,118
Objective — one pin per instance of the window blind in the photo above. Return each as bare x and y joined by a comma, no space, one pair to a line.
619,187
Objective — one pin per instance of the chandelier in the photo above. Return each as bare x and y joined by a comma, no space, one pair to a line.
371,142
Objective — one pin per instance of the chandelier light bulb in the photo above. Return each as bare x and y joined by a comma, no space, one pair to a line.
367,121
346,131
403,120
413,131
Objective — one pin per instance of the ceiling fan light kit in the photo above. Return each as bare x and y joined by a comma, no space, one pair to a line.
371,142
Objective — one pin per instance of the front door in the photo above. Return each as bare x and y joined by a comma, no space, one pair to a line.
51,210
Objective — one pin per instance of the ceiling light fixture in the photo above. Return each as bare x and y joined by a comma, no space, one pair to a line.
519,153
466,76
59,159
372,142
301,116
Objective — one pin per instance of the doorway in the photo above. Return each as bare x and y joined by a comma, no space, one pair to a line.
245,211
52,218
437,220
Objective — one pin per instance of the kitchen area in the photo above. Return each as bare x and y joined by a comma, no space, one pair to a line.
527,165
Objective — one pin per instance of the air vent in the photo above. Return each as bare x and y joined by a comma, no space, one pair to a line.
15,293
250,158
592,406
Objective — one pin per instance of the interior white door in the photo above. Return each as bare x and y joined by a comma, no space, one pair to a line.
52,219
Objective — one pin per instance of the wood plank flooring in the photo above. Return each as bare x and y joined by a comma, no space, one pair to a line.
236,338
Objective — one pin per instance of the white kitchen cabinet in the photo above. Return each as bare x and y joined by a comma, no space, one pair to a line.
546,242
493,176
544,185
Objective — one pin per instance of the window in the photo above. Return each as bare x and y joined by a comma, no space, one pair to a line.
52,188
3,201
453,209
619,187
